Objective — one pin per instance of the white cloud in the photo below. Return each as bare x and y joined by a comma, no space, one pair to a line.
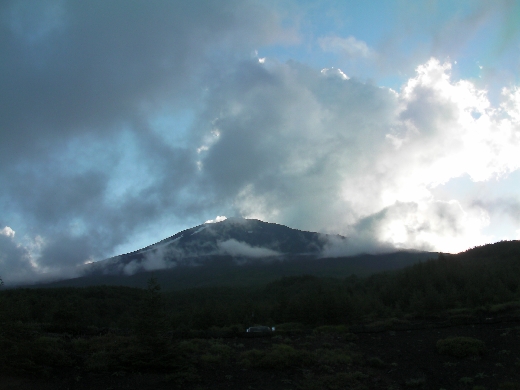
239,248
349,47
356,243
434,225
434,108
155,260
131,268
331,154
219,218
331,72
15,260
7,231
160,256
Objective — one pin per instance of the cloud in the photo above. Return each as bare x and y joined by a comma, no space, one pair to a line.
157,259
169,255
15,260
122,124
238,248
509,207
316,151
349,47
357,243
219,218
334,72
7,231
86,159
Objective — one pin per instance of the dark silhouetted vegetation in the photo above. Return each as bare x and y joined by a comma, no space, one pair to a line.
110,329
461,347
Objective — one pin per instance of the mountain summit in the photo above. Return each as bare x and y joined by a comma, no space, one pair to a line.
238,252
242,239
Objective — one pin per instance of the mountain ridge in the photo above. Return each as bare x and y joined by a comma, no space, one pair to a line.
243,239
237,252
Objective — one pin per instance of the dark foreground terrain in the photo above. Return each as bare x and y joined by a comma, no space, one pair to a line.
449,323
385,355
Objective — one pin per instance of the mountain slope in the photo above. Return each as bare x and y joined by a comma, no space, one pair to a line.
237,252
242,239
224,271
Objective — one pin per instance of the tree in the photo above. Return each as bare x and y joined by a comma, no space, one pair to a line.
151,323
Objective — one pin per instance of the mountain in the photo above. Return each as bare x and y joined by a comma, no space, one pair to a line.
237,252
245,240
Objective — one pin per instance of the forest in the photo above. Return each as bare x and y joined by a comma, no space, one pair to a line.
112,330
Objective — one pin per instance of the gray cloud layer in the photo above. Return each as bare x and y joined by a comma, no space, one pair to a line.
81,165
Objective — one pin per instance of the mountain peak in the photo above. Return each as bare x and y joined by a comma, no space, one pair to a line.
239,238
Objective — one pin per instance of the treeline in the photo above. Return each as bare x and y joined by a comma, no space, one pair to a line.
101,307
481,277
423,290
107,329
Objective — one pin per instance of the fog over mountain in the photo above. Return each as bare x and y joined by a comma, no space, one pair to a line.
237,252
245,240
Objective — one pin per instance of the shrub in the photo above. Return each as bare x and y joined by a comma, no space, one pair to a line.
51,351
211,359
192,346
461,347
332,357
221,350
509,386
217,354
186,375
466,380
504,307
375,362
251,358
280,356
80,346
27,353
341,380
112,353
283,355
387,323
416,382
226,331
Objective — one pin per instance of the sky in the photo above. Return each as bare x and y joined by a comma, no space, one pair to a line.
395,123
